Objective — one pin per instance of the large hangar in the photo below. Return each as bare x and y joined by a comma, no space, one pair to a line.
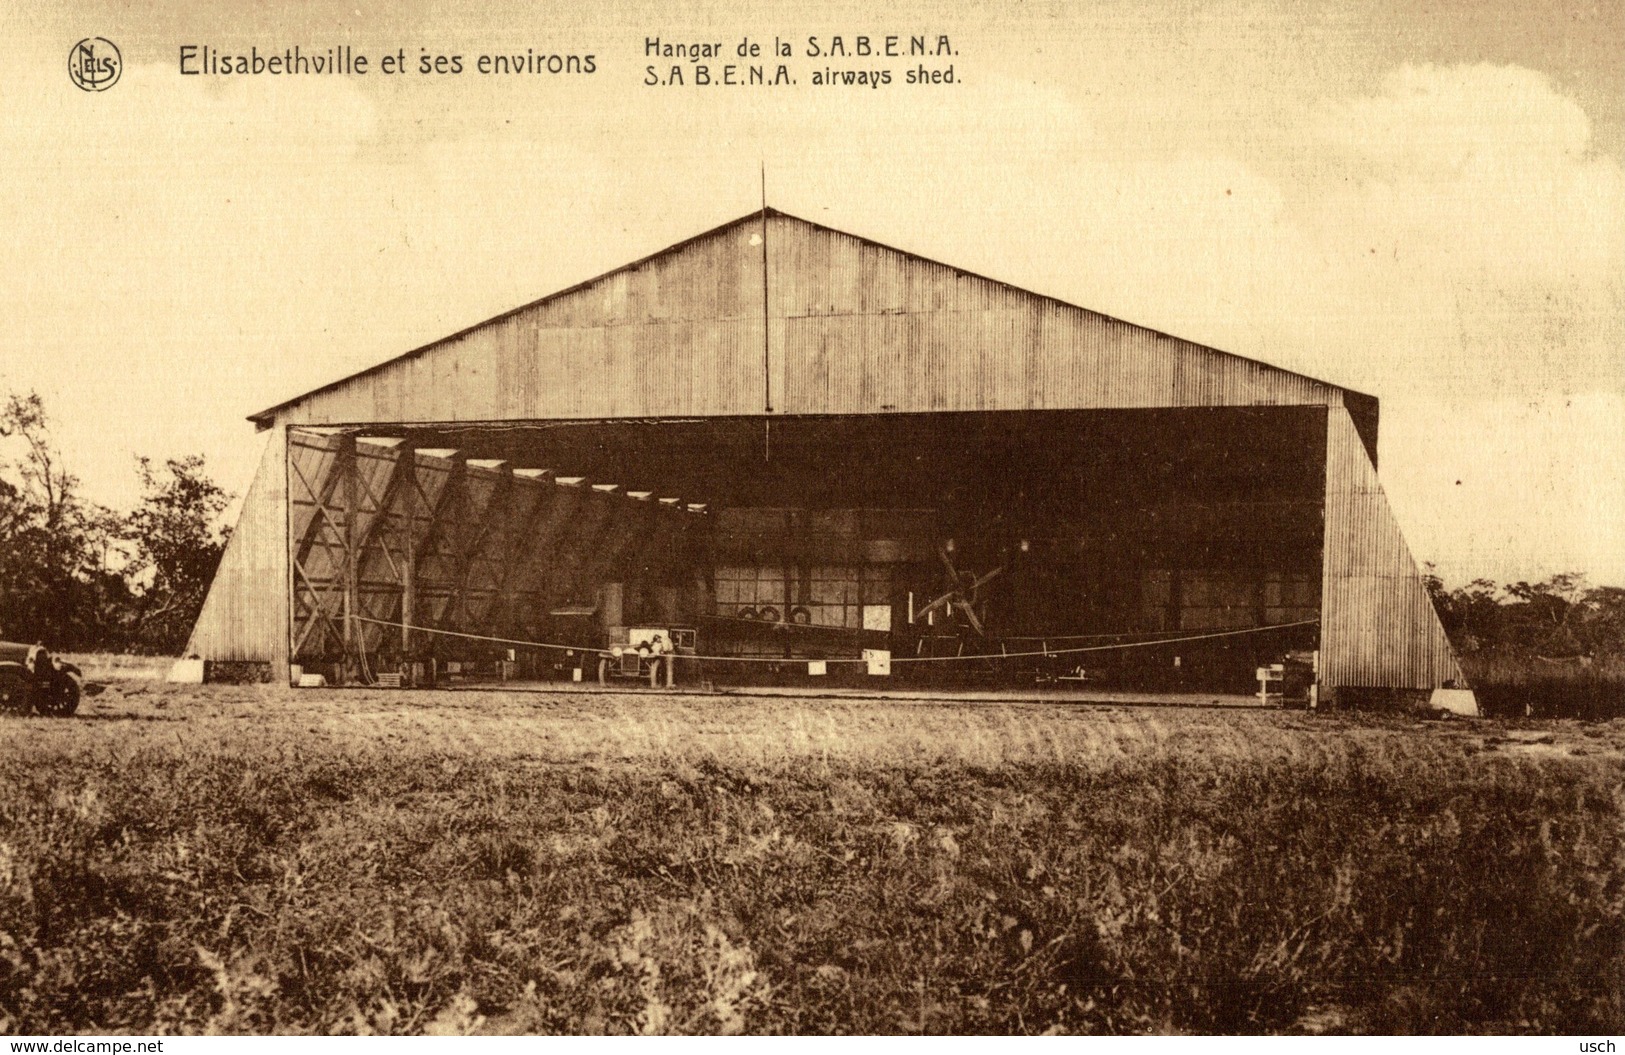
823,460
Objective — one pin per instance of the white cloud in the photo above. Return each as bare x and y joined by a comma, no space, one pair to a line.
1468,201
1442,119
1491,166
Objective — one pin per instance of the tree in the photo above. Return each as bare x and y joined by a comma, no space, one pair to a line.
78,576
1603,620
1558,618
176,541
1544,616
1471,615
54,545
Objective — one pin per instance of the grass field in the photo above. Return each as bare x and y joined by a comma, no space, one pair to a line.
248,859
1509,685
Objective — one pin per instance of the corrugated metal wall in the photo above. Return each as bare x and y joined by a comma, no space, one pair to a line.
864,329
1378,626
853,328
245,616
679,335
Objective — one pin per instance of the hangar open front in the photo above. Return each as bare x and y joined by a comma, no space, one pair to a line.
805,458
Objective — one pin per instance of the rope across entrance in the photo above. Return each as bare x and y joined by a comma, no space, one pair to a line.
978,657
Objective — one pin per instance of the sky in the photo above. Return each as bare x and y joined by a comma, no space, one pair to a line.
1421,202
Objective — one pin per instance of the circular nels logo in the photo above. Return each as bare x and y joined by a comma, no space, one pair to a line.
94,64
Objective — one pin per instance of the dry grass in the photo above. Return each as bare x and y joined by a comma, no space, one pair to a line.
246,859
1528,686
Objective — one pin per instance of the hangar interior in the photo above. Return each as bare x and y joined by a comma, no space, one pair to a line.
812,538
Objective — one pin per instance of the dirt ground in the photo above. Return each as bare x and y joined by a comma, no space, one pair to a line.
589,726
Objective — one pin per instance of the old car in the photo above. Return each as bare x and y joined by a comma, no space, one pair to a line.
32,680
647,655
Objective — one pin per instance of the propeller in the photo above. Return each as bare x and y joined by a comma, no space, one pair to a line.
962,596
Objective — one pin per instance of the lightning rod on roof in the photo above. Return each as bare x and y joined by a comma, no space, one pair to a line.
767,364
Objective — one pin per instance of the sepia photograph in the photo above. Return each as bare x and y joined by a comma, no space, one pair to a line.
729,518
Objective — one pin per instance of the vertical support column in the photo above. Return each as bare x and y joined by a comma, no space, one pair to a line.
409,563
283,671
862,568
1321,692
425,552
352,642
611,610
500,615
787,558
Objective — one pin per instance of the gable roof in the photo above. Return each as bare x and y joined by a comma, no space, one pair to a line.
868,273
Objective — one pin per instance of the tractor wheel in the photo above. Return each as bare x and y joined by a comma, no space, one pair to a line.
62,699
13,692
